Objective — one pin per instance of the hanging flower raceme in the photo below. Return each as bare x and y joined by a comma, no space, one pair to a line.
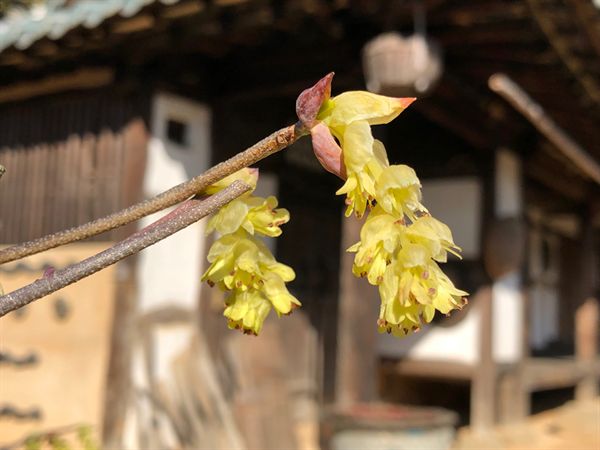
401,243
241,264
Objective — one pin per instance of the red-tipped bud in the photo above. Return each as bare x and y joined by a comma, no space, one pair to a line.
310,100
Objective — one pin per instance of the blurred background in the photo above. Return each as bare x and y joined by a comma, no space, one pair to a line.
105,103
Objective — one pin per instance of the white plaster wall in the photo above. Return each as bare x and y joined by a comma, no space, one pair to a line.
169,272
457,202
508,185
459,343
507,315
544,290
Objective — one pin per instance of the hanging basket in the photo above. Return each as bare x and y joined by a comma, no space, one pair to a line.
401,66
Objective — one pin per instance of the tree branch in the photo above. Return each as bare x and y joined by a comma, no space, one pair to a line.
271,144
188,213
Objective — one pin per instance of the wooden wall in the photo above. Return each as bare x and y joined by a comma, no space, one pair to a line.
69,159
61,340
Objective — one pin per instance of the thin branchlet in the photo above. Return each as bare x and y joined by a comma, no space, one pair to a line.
271,144
186,214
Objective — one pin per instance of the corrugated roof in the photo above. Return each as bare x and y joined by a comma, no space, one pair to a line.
23,31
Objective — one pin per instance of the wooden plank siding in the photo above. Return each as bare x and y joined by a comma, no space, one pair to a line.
68,161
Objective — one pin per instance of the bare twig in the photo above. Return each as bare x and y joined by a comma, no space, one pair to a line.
271,144
188,213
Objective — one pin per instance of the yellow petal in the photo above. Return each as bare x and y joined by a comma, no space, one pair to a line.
348,186
357,146
380,153
276,292
428,313
230,217
398,190
361,105
286,273
413,255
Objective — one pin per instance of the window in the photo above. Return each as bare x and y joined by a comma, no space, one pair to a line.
177,132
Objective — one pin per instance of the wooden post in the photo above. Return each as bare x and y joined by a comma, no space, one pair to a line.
586,347
483,385
118,390
514,396
358,312
504,254
586,315
118,384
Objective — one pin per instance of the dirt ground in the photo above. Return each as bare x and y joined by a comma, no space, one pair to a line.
573,426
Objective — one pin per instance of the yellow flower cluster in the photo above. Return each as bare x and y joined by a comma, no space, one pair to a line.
241,264
349,117
401,243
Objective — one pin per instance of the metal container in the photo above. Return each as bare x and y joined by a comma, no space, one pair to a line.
377,426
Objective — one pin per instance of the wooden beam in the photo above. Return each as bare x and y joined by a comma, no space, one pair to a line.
487,35
437,370
517,97
17,58
443,116
587,15
463,110
135,24
555,373
500,54
86,78
561,42
556,179
183,9
478,13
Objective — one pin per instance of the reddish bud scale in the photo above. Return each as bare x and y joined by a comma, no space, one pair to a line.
327,150
310,100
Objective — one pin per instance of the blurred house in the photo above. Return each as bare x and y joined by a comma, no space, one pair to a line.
104,103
